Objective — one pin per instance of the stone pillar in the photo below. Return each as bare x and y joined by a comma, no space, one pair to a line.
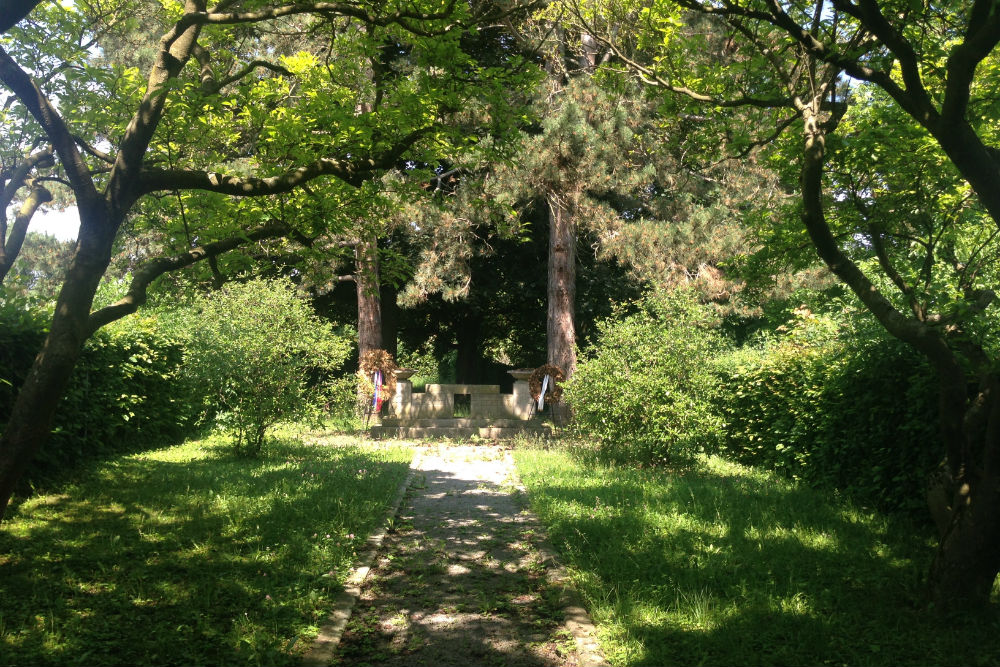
401,408
520,404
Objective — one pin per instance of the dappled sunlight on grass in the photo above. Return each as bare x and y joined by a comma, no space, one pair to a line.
723,564
189,555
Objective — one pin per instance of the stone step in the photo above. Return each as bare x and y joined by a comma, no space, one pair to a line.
451,389
455,422
432,432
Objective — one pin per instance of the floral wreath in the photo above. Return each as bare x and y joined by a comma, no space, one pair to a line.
379,360
554,391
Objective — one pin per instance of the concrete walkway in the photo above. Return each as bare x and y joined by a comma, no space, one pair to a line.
464,576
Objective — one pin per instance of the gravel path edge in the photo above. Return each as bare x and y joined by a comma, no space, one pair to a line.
324,647
577,620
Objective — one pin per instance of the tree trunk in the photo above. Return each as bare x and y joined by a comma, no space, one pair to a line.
35,406
562,286
968,557
369,304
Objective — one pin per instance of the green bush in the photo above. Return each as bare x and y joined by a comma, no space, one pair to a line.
644,390
835,405
123,395
22,330
258,350
342,405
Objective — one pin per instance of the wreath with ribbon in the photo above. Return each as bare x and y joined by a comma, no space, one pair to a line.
377,369
554,390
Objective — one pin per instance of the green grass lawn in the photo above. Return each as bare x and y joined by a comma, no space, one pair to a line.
725,565
189,555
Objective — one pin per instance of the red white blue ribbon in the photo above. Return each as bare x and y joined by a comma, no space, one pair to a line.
541,394
377,399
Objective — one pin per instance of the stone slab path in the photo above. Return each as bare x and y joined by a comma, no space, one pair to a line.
464,576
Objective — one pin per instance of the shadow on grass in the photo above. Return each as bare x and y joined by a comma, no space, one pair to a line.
726,566
179,558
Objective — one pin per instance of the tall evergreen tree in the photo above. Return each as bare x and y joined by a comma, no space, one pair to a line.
218,112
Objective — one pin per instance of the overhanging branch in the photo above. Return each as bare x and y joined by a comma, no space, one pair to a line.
350,171
154,268
12,11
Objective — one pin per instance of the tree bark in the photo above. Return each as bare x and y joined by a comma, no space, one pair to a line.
35,406
366,277
562,285
968,558
967,562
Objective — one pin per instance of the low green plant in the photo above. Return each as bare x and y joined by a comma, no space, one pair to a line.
834,403
643,391
190,555
258,350
724,564
343,412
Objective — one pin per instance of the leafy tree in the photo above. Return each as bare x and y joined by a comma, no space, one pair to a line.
257,349
40,266
918,258
258,128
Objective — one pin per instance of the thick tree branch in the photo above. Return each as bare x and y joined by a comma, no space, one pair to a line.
981,38
22,173
54,126
12,11
153,269
10,246
350,171
175,50
329,8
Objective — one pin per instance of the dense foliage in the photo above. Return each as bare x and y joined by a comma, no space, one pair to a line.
257,349
833,406
124,395
826,399
644,389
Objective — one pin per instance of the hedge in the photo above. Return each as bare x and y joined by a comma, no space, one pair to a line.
855,412
123,395
832,401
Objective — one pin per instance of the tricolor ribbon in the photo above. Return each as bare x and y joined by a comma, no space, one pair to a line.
377,399
541,394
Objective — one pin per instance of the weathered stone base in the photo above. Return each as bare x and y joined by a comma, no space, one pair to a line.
492,429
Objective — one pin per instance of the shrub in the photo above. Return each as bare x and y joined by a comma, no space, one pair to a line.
835,405
259,351
342,404
22,330
123,395
643,391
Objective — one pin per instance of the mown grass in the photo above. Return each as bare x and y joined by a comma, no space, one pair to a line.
190,555
725,565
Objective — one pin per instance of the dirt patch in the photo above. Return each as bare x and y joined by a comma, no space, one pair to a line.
460,579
